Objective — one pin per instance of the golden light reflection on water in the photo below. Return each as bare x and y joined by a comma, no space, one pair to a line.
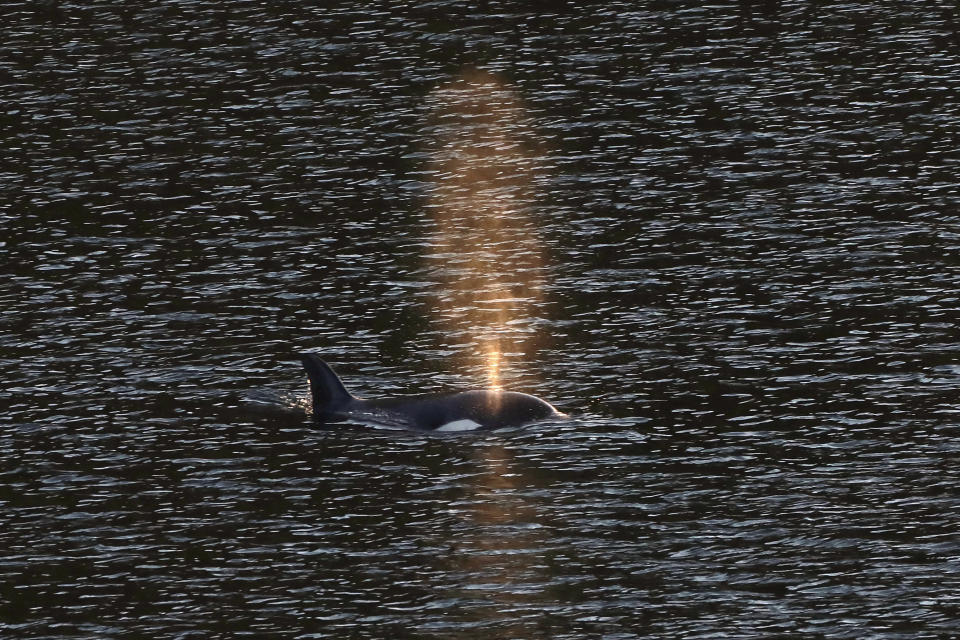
485,247
501,555
486,250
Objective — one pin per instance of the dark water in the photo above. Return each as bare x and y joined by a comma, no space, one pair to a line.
730,249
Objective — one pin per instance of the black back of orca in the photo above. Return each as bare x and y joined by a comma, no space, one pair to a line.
460,411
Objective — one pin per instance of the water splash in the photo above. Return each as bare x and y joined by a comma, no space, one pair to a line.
485,248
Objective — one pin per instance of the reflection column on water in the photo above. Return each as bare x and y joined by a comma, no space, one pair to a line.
502,553
486,253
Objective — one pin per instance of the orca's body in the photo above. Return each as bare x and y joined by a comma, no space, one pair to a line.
461,411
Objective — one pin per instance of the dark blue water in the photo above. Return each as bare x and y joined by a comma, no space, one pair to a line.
724,238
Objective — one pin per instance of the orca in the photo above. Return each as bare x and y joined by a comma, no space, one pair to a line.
456,411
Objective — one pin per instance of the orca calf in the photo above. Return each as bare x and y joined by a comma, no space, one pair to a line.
458,411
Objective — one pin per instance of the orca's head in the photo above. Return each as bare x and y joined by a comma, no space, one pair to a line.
495,409
519,408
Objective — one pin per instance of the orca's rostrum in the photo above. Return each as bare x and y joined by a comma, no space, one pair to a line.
457,411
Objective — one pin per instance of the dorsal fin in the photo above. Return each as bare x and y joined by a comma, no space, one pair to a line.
328,392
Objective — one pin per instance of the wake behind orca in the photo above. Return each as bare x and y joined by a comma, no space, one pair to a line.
457,411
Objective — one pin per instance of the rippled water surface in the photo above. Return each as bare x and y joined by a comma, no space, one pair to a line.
724,237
